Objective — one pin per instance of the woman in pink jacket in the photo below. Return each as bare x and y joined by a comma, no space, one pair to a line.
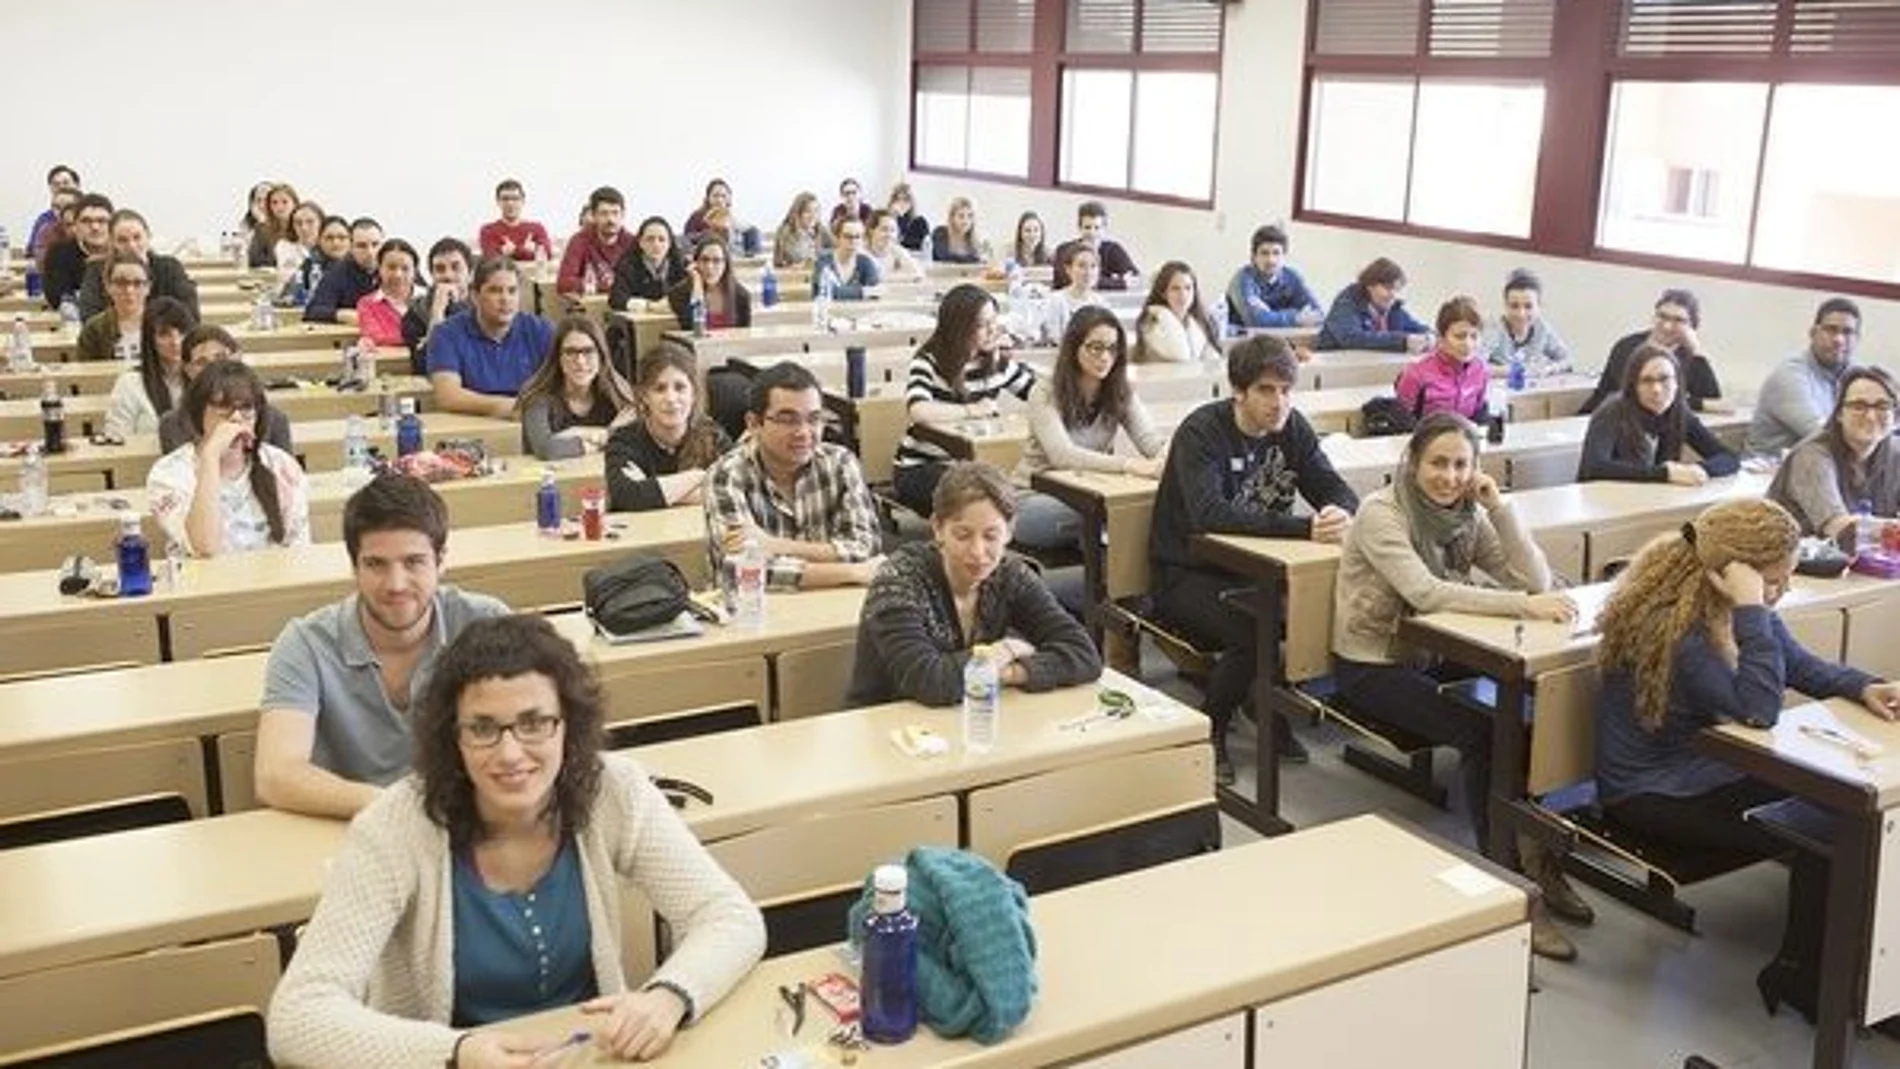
1452,376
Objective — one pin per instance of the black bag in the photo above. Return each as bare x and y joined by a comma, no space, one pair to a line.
1385,416
635,593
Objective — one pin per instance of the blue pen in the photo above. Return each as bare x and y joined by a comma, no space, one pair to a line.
575,1040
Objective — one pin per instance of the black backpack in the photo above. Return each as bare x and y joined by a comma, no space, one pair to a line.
637,592
1385,416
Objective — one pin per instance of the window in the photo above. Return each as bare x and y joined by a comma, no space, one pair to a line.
1435,133
1734,138
1094,95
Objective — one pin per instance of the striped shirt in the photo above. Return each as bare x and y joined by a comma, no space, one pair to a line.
829,503
925,384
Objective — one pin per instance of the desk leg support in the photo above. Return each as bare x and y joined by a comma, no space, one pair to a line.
1845,937
1262,812
1509,772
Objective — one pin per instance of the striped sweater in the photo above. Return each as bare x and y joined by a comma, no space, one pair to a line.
925,384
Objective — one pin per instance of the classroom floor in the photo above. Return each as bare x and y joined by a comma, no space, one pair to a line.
1641,995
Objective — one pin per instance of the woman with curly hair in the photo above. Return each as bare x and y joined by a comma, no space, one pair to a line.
1691,640
488,884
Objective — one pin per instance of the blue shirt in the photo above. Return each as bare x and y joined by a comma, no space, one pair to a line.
519,953
1705,691
486,365
1255,300
1352,323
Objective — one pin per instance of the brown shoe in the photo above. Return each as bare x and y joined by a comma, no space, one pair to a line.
1547,870
1547,940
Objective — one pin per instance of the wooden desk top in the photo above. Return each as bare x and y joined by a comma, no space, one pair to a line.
325,566
97,376
21,418
107,895
1294,554
1879,775
720,344
785,771
1388,896
60,345
205,698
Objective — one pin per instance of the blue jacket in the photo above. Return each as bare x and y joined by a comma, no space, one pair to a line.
1254,300
844,287
1705,691
1350,324
342,285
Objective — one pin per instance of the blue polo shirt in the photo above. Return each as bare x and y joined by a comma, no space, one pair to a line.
489,366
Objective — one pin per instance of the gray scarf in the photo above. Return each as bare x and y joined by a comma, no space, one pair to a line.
1445,538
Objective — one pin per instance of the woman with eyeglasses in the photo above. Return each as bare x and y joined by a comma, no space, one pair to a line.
491,883
850,269
114,334
934,603
141,396
1849,467
1640,435
1677,320
660,459
1074,416
573,401
961,372
709,279
850,204
226,491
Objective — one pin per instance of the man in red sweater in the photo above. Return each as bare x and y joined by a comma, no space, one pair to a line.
594,249
511,235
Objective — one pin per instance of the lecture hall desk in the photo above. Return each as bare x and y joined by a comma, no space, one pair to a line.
1860,975
318,443
88,522
240,601
58,346
86,413
263,869
315,364
1402,932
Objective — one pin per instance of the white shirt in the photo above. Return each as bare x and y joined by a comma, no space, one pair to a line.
173,482
130,410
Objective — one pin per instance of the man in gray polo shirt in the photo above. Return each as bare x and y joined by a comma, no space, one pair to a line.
341,681
1798,395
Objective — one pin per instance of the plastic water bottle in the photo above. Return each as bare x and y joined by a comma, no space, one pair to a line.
69,312
310,284
1517,377
698,314
547,506
263,313
1866,528
888,991
590,282
982,701
6,250
540,263
821,305
355,444
20,348
1224,317
926,251
768,287
1039,315
408,429
33,491
135,559
385,408
240,256
749,585
350,366
52,418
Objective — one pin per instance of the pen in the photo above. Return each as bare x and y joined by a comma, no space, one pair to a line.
547,1053
1864,749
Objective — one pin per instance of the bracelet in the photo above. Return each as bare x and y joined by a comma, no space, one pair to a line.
679,992
455,1052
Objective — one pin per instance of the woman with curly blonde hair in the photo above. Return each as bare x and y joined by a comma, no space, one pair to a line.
1690,640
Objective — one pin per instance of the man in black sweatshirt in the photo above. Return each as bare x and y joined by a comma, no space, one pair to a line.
1234,467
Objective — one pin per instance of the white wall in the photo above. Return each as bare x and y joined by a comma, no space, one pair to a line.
1748,327
176,109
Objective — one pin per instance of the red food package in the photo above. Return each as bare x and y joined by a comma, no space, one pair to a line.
839,993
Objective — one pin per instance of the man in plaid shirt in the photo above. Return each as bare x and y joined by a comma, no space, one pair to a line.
804,497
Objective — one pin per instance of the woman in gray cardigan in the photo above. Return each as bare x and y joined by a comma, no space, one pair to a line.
489,884
933,602
575,399
1442,537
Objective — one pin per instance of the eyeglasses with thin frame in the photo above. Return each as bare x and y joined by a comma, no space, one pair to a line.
129,283
1882,408
1656,380
483,733
578,351
791,421
1097,348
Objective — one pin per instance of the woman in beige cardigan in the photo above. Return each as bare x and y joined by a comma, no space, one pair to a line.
487,885
1442,537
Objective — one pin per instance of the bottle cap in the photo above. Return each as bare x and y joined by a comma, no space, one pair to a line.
890,879
129,524
408,405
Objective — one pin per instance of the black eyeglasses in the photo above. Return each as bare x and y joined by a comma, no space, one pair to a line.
483,733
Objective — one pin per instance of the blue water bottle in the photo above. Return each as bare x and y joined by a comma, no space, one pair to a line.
699,318
135,559
768,287
547,505
888,987
1514,378
408,429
